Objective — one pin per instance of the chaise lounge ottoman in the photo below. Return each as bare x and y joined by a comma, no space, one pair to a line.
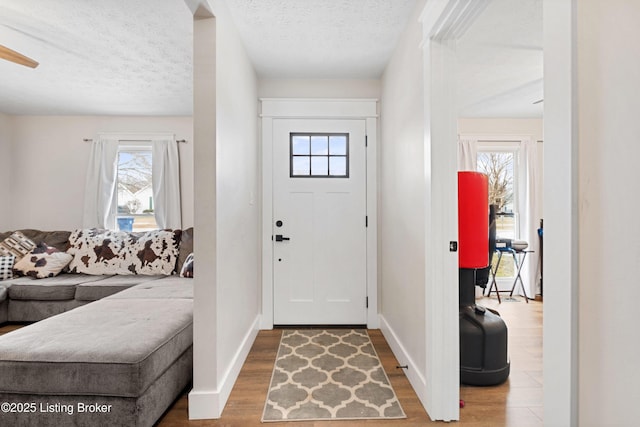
113,362
4,304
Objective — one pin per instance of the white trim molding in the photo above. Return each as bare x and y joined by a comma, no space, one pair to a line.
280,108
561,249
449,19
294,108
412,371
208,404
443,22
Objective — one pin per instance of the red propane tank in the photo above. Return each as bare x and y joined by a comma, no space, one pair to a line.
473,220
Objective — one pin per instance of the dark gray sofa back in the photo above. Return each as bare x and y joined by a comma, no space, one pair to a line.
60,241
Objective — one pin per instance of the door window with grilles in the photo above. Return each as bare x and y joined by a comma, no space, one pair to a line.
315,155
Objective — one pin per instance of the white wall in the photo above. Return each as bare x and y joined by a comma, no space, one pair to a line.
238,262
319,88
501,126
609,230
204,397
49,164
5,170
402,202
227,291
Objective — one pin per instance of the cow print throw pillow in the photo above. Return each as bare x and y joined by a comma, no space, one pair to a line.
118,252
44,261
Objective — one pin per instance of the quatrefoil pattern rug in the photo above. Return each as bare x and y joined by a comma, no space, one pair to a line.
329,375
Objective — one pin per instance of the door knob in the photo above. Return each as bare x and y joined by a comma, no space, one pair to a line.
280,238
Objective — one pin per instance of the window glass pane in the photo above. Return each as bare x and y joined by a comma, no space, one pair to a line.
300,145
319,145
338,166
319,165
338,145
499,167
135,191
313,154
301,166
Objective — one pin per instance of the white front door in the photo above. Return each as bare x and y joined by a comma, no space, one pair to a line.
319,221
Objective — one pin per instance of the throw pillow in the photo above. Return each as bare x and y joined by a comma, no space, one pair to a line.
187,267
6,267
118,252
43,261
17,244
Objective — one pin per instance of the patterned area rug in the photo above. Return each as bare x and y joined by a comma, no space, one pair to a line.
329,375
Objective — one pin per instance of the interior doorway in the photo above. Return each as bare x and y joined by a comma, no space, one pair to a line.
500,132
319,212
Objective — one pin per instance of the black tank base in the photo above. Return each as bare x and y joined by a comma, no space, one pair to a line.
484,377
483,347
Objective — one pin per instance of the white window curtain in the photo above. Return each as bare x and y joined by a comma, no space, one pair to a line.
100,188
166,183
527,206
467,154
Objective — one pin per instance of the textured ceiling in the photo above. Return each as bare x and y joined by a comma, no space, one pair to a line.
500,62
321,38
97,57
134,57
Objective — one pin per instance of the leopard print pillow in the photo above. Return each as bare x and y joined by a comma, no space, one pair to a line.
118,252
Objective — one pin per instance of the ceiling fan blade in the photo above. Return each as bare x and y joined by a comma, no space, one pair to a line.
13,56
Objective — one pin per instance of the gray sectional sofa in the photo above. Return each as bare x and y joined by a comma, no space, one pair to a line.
104,350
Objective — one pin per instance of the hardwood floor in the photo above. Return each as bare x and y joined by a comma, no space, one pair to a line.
516,403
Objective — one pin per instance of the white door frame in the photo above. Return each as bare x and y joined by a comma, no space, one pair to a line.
560,331
444,21
284,108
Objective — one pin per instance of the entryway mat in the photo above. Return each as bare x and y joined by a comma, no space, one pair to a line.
329,374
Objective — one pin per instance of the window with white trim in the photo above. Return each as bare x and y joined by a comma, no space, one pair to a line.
500,163
134,187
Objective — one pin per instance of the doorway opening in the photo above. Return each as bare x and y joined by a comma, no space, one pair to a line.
319,239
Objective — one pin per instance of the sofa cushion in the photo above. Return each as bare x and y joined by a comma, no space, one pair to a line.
6,266
93,291
3,293
57,288
110,347
16,244
43,261
117,252
4,310
168,287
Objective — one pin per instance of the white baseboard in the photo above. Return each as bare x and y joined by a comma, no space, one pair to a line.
204,405
208,404
416,379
